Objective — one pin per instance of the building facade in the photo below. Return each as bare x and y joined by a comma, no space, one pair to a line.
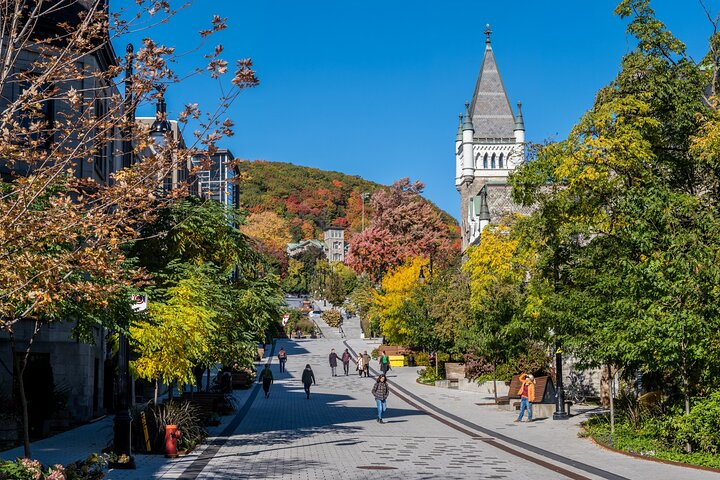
490,143
74,370
215,177
335,244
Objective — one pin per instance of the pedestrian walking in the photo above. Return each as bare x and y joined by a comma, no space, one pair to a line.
360,365
381,391
282,358
366,364
384,363
266,377
333,358
346,361
527,396
308,378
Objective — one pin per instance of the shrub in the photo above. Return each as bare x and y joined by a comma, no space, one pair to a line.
701,428
91,468
428,376
332,317
183,414
476,366
422,359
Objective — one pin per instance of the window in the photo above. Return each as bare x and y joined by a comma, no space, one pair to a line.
501,161
492,161
485,161
101,134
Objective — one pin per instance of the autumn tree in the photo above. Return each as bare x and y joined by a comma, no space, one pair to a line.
404,226
270,233
69,202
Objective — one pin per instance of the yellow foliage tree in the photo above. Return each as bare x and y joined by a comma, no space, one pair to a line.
268,228
397,288
497,264
174,336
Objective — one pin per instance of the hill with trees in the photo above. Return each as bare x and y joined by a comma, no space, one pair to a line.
287,202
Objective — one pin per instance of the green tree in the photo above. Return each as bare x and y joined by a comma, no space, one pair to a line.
626,217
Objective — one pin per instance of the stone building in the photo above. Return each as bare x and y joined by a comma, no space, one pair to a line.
490,143
75,370
335,244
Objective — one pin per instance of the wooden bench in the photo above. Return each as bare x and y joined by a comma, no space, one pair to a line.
206,403
454,372
241,380
393,350
512,392
544,391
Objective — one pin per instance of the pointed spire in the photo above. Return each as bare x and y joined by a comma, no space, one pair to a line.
519,122
488,32
492,115
458,138
467,120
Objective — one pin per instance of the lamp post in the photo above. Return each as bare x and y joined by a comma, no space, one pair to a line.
364,197
122,421
560,413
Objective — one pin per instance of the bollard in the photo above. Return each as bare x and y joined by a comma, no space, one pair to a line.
172,435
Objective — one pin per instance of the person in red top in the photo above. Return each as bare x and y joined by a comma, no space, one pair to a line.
527,396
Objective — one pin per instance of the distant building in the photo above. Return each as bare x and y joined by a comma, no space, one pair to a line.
335,244
294,249
490,143
215,177
159,126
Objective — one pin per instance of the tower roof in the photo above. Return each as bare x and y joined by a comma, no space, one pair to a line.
491,113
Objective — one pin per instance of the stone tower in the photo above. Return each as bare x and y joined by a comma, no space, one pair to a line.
490,143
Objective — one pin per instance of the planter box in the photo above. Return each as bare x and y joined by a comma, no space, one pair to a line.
9,436
502,389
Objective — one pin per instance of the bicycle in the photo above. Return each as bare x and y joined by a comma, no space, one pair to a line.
577,391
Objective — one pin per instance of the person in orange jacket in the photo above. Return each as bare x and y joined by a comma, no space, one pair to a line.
527,396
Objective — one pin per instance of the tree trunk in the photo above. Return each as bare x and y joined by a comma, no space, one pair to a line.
20,369
685,387
156,391
611,378
605,387
495,381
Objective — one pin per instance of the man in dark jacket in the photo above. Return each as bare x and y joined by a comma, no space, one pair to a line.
333,358
346,361
266,377
308,378
381,391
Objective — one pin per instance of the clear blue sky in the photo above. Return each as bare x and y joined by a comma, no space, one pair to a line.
374,88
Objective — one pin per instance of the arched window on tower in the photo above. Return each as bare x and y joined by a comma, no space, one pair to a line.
492,161
500,163
485,159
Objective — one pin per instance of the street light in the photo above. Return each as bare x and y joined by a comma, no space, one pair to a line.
122,420
364,197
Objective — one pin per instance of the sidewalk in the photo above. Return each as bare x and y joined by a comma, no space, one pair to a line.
559,437
79,443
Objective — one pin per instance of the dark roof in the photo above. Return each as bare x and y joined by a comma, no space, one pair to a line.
492,115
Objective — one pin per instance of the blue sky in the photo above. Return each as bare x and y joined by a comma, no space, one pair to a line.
374,88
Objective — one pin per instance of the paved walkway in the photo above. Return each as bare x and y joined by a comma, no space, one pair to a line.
429,433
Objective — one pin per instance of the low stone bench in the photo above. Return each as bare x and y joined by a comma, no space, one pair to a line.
454,373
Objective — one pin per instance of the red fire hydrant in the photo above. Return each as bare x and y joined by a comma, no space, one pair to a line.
172,435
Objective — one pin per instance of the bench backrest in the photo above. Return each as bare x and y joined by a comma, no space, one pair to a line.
454,371
544,389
